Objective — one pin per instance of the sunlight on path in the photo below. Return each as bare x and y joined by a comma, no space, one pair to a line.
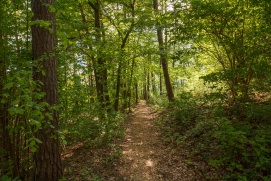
145,156
139,148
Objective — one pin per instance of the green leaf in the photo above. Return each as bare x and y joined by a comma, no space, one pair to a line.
38,140
35,122
51,126
32,142
15,102
12,111
6,178
8,85
36,113
49,116
5,95
20,111
33,149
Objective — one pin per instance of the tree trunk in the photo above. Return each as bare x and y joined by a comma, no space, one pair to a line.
119,71
5,141
116,104
160,80
89,60
47,158
153,83
136,92
99,64
148,85
163,57
130,84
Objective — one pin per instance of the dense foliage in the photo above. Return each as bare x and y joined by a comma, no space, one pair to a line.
210,59
235,138
224,117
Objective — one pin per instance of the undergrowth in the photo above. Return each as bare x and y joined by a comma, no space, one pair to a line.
234,137
92,130
97,136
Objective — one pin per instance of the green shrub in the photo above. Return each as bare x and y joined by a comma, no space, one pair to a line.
93,130
200,138
7,178
233,137
244,152
258,112
185,111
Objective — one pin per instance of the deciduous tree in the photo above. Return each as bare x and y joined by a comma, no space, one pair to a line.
47,160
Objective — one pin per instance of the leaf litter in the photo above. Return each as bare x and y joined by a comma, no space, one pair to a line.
141,155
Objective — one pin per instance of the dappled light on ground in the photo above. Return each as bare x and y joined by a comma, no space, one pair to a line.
138,161
144,156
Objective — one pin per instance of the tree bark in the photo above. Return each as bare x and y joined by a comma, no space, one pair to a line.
99,64
160,80
130,84
123,44
136,92
5,141
163,57
47,158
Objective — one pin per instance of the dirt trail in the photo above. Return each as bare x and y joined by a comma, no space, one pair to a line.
145,157
139,158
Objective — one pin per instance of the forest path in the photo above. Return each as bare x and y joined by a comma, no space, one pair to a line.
145,157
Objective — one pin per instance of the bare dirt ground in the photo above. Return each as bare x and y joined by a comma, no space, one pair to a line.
145,157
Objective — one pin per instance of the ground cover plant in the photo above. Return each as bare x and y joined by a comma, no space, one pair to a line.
72,74
232,137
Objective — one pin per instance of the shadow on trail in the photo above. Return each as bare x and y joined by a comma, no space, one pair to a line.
141,156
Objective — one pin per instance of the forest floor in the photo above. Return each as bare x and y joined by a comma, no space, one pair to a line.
141,155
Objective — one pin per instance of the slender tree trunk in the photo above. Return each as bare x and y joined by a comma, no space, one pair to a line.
130,83
123,44
119,71
160,80
90,84
145,97
136,92
47,158
153,83
148,85
5,141
116,104
99,64
163,57
125,96
90,58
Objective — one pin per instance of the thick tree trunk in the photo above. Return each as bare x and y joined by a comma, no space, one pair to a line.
163,57
47,158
